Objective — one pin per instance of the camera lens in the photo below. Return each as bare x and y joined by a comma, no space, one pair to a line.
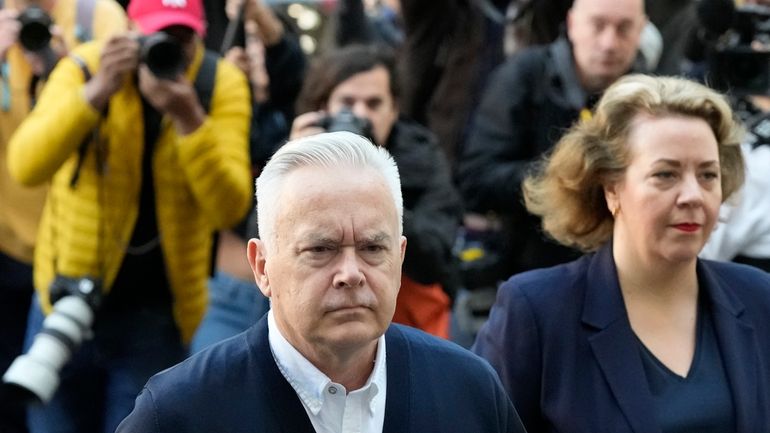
34,376
35,33
163,55
345,120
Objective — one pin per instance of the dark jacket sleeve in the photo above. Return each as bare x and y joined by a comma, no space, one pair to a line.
500,146
432,209
271,121
144,417
285,63
509,342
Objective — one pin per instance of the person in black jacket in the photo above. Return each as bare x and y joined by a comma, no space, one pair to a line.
530,100
361,80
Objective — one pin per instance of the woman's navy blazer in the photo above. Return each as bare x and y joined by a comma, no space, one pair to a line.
562,344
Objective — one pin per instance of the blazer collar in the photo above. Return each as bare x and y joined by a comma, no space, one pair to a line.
737,343
603,299
614,344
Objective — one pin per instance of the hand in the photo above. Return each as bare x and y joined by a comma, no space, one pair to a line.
306,124
233,6
120,56
175,98
238,57
268,26
9,30
258,76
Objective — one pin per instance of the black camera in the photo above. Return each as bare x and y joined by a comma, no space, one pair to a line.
735,63
345,120
34,376
35,33
163,55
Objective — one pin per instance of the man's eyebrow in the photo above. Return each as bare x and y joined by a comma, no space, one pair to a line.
317,238
380,237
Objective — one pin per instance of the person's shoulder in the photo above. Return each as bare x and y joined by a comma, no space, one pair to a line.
219,366
415,144
522,61
109,9
743,280
441,353
556,282
410,132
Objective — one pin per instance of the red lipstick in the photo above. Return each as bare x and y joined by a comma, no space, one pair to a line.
687,227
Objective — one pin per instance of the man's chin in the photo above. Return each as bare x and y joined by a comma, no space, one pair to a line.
353,334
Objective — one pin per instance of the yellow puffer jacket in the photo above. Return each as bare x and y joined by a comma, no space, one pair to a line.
202,181
21,207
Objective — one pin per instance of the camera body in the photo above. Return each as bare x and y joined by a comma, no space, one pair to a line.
345,120
734,64
163,55
34,376
35,33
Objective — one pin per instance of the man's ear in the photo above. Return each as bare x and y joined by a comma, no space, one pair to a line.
402,245
257,257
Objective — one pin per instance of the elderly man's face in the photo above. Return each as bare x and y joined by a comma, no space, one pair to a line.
605,38
367,94
333,269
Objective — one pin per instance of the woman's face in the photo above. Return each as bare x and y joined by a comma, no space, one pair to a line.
668,199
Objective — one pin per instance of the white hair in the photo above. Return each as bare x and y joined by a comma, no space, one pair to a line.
335,150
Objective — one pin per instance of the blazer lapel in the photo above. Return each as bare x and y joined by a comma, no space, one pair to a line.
614,344
738,347
287,410
398,399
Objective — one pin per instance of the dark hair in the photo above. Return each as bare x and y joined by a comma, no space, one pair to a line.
336,66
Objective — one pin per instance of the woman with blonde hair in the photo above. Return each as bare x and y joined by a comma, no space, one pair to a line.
639,335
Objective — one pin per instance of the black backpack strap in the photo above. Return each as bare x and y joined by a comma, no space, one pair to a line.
204,81
84,144
204,87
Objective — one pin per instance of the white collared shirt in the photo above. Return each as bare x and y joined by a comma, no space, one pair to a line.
328,405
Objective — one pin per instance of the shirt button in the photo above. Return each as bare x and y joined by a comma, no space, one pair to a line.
332,390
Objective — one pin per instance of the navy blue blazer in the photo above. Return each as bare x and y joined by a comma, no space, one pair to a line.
562,344
236,387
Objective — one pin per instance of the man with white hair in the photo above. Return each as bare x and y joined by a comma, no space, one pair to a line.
326,357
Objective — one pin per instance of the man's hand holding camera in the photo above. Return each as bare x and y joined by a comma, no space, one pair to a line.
307,124
120,56
173,97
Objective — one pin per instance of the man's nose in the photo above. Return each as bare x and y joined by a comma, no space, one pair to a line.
609,38
360,110
349,272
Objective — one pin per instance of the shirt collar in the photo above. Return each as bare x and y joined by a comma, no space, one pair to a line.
309,382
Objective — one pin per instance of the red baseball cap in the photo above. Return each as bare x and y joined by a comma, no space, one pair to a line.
154,15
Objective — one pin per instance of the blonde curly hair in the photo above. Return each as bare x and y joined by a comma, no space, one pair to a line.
567,188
